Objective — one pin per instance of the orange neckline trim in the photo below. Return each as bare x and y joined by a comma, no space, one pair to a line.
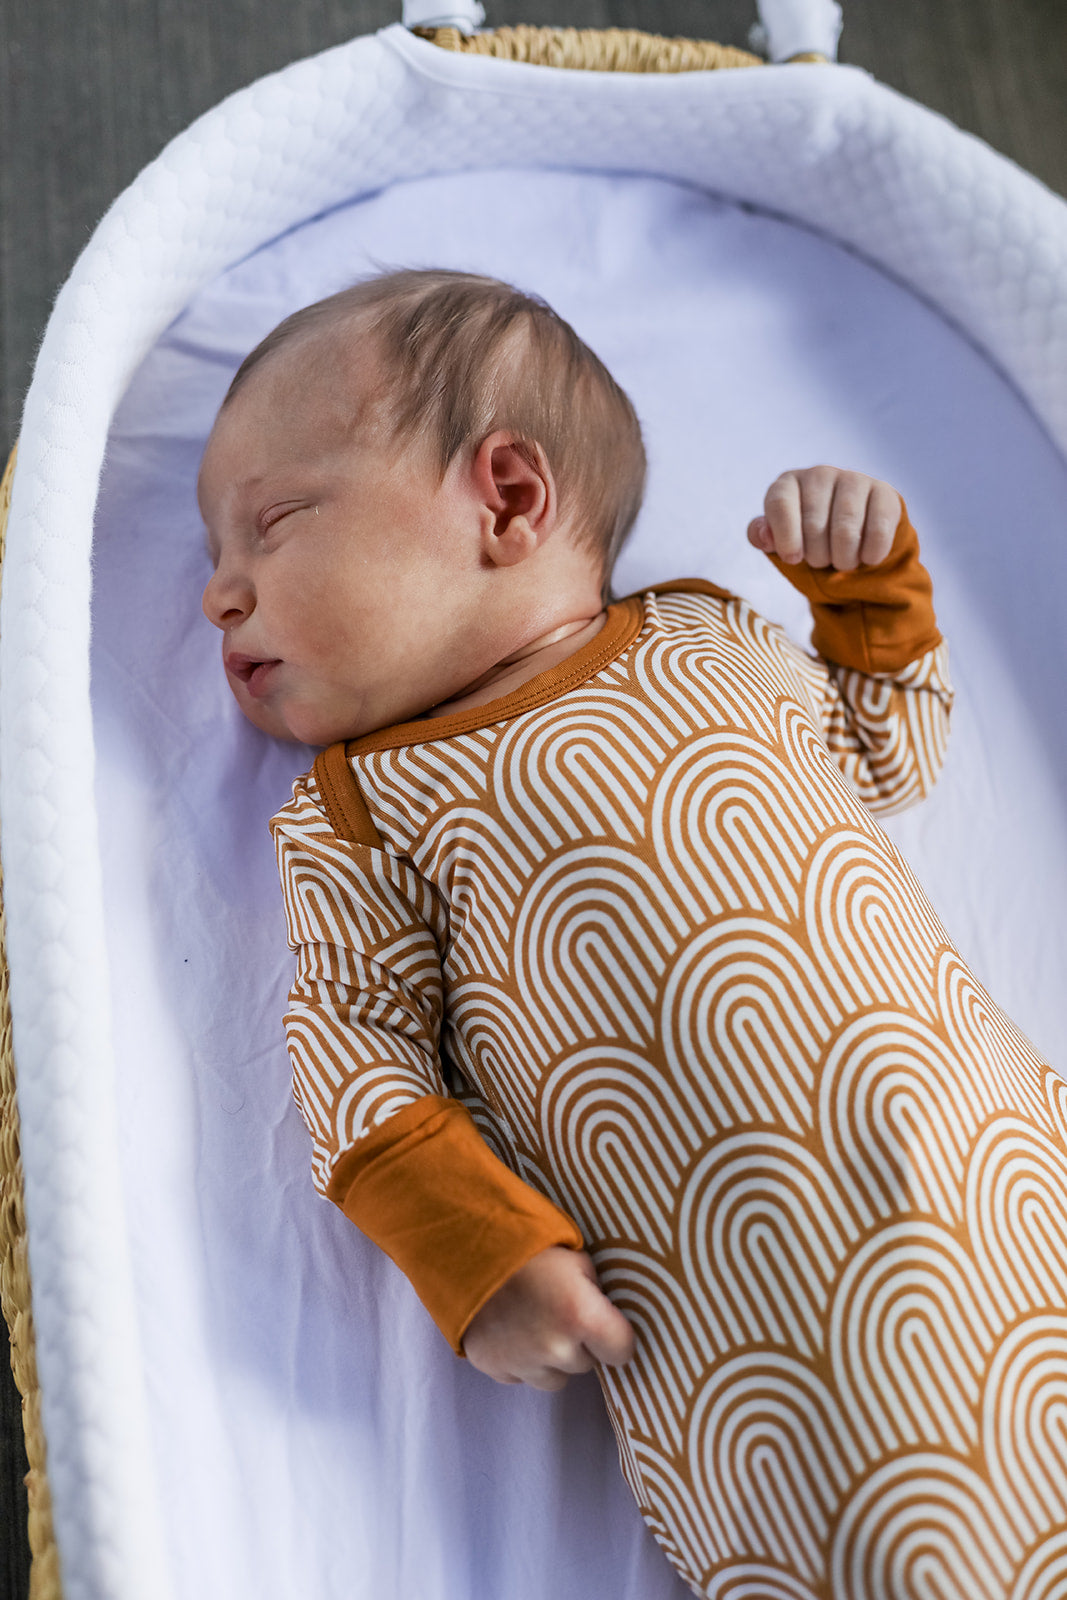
624,621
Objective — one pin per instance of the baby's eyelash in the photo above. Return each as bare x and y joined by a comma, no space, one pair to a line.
274,514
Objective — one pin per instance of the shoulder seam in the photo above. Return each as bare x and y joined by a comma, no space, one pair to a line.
342,799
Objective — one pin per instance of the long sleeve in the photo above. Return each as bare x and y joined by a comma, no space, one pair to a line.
880,677
365,1007
391,1149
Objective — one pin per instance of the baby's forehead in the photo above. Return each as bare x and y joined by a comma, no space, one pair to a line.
306,405
322,382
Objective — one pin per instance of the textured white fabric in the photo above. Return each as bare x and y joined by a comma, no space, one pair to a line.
239,1398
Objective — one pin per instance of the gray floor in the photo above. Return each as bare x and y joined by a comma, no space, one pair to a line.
91,90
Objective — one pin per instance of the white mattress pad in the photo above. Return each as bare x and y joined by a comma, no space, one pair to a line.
782,266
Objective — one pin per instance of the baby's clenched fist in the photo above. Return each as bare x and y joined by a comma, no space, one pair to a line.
828,518
547,1322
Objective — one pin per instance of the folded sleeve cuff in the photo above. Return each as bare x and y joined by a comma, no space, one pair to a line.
872,619
427,1189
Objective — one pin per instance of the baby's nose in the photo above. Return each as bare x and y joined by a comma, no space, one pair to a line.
225,601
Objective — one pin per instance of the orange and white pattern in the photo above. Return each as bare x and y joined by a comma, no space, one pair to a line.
644,925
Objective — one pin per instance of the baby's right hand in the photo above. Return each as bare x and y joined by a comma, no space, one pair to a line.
548,1321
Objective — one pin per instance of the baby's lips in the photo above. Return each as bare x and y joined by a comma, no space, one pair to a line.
255,672
241,666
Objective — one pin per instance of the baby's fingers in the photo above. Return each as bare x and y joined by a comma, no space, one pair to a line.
759,534
600,1334
828,518
782,519
863,521
847,520
884,509
607,1335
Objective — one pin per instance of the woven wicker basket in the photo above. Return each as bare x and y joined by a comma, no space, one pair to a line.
608,50
14,1262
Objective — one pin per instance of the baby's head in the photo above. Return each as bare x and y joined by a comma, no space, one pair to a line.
405,484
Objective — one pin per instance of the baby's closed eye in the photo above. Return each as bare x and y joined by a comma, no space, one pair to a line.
272,515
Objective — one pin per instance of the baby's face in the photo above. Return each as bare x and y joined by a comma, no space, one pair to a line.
341,582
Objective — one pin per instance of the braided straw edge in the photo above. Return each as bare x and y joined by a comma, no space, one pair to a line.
592,49
45,1581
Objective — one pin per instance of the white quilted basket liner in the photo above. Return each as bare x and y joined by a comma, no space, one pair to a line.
978,240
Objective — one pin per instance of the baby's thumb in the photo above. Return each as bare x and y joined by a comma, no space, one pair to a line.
759,534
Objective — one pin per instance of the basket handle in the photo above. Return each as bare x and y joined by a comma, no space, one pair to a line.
787,30
790,28
463,15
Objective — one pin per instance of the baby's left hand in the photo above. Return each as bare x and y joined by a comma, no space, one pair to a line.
827,518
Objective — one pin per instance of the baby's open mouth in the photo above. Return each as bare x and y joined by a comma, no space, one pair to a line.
253,671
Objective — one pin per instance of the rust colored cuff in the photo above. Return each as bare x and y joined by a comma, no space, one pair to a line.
873,619
427,1189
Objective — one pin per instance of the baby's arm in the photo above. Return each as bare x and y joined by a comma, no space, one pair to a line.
879,681
392,1149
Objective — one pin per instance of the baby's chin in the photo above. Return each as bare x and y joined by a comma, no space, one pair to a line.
297,725
269,719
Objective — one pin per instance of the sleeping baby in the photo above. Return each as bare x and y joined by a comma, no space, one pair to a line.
618,1022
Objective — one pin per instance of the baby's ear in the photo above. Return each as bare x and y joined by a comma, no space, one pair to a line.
515,486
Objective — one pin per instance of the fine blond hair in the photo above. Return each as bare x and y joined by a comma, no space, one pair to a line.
466,355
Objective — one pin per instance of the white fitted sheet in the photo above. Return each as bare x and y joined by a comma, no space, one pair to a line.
309,1423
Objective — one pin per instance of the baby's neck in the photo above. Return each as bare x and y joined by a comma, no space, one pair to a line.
540,655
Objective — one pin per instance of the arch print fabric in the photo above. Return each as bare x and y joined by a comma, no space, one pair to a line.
638,917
